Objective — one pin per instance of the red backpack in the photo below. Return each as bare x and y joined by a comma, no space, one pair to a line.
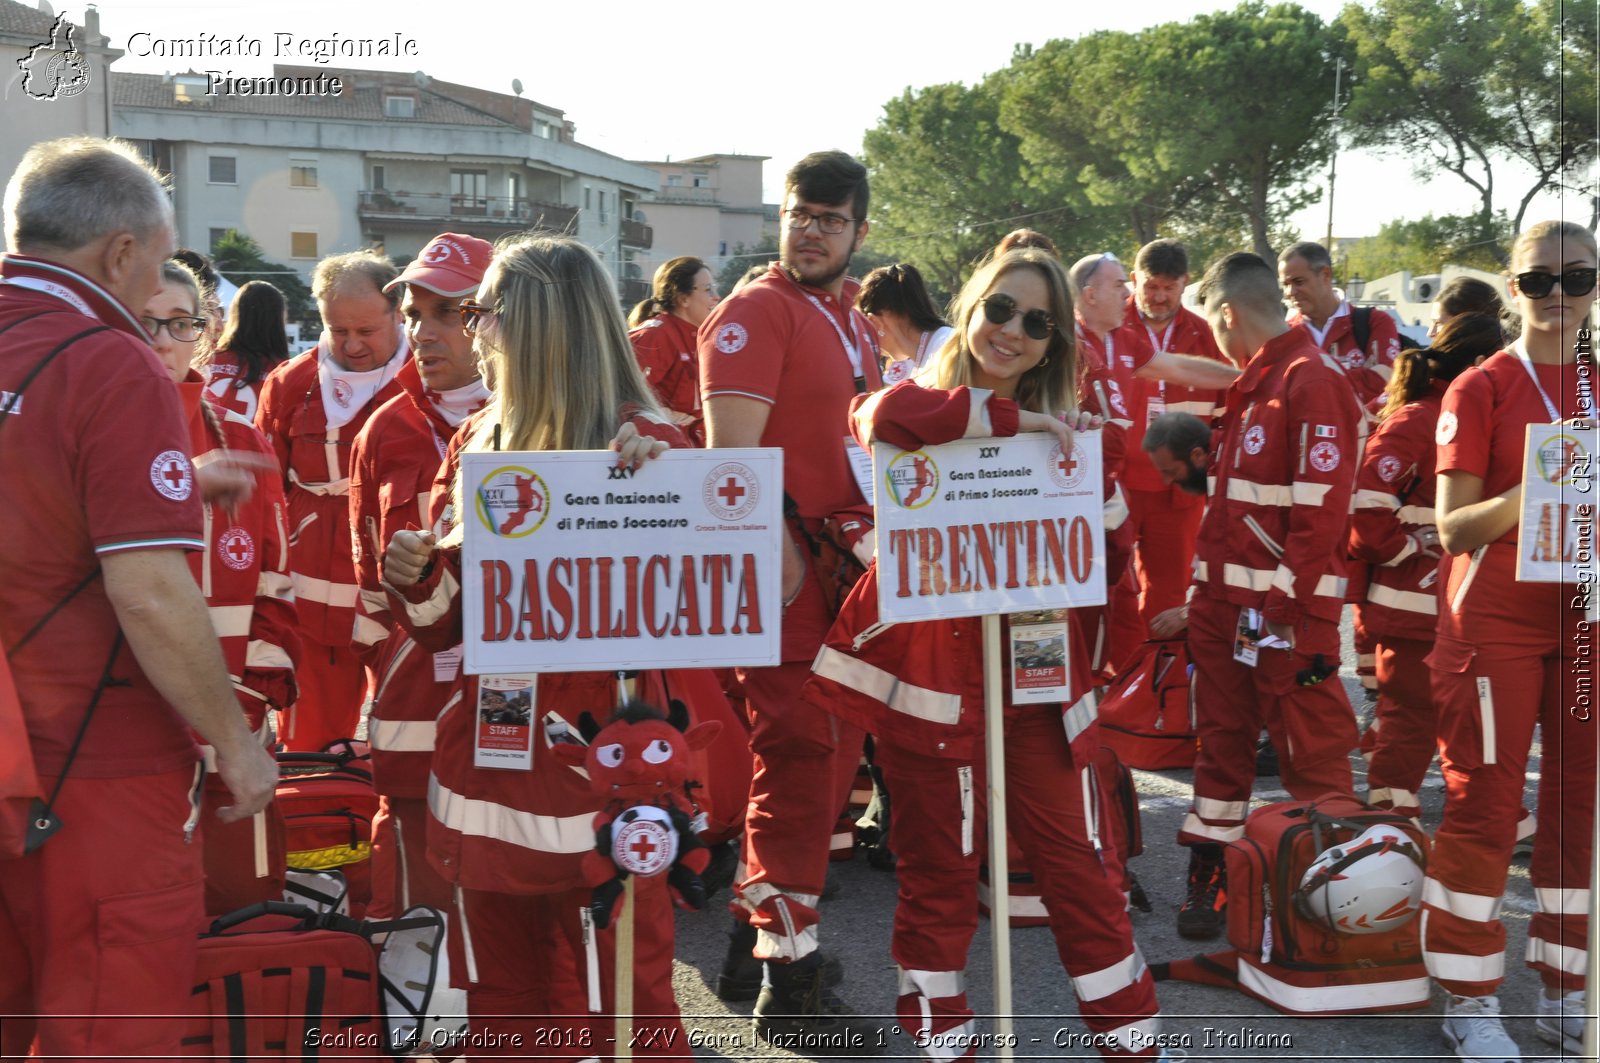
1147,713
1281,956
328,805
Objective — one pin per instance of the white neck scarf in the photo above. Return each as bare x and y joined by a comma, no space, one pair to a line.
457,405
345,393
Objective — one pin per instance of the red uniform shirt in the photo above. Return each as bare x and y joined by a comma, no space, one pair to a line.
667,351
1368,370
223,380
787,345
1274,533
316,471
1105,371
94,460
1394,504
1186,333
392,473
244,569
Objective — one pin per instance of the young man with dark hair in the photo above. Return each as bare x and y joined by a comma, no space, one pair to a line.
780,360
1165,517
1269,577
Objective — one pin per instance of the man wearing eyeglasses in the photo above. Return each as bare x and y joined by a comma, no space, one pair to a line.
312,407
392,468
780,360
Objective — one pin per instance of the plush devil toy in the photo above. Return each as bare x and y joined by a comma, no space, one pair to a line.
639,762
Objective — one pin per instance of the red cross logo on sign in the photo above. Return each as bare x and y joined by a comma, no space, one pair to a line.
643,841
731,491
1067,470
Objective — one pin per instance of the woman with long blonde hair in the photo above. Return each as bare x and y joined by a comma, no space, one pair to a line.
1510,654
1010,367
554,350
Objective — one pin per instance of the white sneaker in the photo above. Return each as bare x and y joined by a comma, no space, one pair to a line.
1472,1026
1561,1020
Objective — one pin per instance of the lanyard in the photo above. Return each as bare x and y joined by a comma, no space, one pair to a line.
1160,346
850,349
922,349
60,291
1585,400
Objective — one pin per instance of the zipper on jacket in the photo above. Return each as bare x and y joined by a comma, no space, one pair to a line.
868,634
1261,533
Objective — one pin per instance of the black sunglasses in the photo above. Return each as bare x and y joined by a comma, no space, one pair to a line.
1536,284
1000,308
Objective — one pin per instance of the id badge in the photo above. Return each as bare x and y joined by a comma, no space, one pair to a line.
503,736
1247,639
447,665
1040,669
860,467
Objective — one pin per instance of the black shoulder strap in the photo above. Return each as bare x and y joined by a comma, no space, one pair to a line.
1361,327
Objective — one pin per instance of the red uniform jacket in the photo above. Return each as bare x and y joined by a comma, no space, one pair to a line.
1186,333
1368,370
316,473
1394,503
498,830
920,685
392,471
222,380
244,570
668,352
1274,533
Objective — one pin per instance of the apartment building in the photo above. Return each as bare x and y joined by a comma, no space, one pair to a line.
318,160
706,206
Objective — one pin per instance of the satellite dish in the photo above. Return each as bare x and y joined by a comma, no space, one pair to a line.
421,79
44,6
516,86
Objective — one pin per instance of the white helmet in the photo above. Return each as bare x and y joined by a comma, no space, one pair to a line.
1370,884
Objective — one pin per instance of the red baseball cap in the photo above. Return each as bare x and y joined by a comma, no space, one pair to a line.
451,265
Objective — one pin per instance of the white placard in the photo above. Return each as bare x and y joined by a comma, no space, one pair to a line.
982,526
1556,532
570,564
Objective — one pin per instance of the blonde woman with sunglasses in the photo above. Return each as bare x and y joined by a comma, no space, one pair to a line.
1010,367
1508,655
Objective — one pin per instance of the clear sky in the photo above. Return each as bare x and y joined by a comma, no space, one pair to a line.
649,80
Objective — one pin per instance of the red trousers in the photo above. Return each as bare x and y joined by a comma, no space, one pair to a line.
541,983
804,765
333,685
1490,694
100,925
939,839
1400,743
1166,523
401,873
1313,727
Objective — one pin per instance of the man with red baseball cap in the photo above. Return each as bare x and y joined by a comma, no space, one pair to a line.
396,456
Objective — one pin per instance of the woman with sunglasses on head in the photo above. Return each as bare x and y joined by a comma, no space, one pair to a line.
1507,655
243,571
1392,529
252,344
909,329
554,350
682,296
1010,367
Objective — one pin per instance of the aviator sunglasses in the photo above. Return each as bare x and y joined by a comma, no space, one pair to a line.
1000,308
1536,284
472,313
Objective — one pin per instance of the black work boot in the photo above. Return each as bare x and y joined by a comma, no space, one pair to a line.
797,1011
740,977
1203,914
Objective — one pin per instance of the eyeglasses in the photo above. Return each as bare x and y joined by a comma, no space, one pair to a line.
472,314
1536,284
830,224
1000,308
183,328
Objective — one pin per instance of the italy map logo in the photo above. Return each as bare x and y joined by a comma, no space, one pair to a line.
55,68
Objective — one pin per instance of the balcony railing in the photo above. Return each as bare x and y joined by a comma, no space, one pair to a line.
682,194
636,234
499,212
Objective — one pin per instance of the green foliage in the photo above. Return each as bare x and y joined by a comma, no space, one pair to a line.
241,260
1461,86
1428,244
742,259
